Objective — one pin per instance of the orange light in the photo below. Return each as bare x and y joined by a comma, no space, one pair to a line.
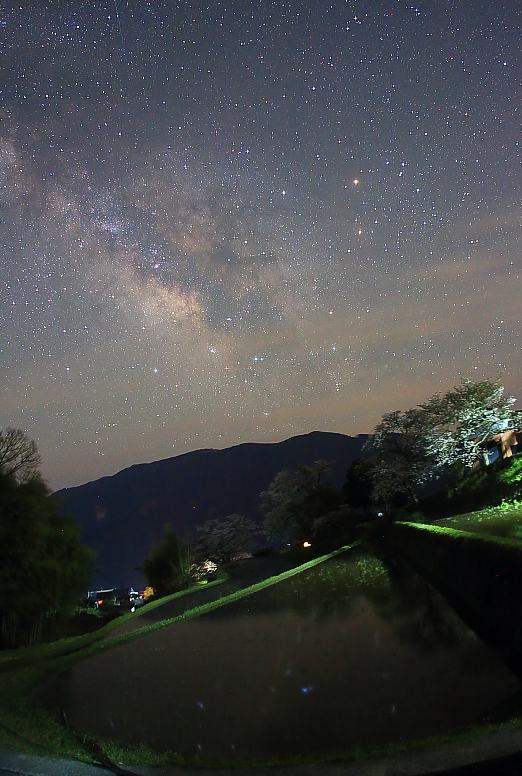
306,544
100,603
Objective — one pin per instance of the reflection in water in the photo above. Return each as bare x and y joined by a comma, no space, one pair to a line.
348,654
420,615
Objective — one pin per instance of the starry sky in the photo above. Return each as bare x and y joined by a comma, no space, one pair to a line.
240,220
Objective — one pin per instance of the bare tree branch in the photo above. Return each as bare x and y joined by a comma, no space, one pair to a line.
18,455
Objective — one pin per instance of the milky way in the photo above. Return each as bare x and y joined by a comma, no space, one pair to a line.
230,221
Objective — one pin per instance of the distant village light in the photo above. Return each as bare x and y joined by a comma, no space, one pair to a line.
306,544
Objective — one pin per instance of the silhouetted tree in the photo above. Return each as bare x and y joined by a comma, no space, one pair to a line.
339,523
167,568
358,485
295,499
402,462
225,539
18,455
43,567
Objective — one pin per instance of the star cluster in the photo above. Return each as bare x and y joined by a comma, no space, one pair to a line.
237,221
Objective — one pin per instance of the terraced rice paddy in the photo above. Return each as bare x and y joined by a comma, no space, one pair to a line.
344,657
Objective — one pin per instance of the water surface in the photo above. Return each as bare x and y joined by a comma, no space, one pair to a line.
348,654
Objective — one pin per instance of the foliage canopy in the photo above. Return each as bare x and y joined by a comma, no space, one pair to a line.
296,499
43,567
167,569
463,419
225,539
414,446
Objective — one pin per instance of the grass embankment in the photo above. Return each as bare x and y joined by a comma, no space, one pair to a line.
503,521
470,559
480,574
27,728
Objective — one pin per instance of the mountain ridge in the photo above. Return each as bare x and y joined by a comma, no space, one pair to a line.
122,515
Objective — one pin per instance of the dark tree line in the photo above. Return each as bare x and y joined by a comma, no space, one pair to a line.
44,569
300,504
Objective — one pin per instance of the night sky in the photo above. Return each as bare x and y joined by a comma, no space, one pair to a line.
224,222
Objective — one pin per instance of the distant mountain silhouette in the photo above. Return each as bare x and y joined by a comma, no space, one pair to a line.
123,515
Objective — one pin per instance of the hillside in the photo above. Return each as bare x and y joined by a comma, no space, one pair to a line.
487,486
121,516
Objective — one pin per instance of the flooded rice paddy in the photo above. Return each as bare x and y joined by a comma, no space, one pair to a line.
349,655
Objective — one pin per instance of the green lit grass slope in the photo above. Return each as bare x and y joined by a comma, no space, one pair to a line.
503,521
488,486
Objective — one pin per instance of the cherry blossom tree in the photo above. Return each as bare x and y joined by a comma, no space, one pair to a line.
401,442
464,419
414,446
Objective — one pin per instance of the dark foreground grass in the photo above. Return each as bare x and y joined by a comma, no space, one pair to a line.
28,728
109,753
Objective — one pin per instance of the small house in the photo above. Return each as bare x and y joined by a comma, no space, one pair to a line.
503,444
125,597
